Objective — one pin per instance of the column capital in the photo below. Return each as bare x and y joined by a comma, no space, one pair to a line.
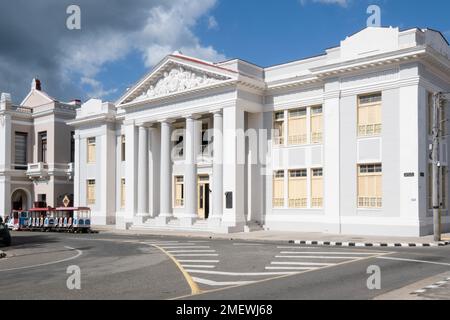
146,125
216,112
166,120
192,116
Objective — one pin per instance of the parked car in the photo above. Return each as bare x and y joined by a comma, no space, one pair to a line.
5,236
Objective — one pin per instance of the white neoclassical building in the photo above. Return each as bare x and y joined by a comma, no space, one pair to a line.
335,143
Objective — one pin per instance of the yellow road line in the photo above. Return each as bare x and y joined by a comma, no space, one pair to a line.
192,284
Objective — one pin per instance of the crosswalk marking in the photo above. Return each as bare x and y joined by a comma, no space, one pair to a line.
184,247
330,252
201,266
187,251
195,255
318,257
238,273
220,283
292,268
199,261
303,264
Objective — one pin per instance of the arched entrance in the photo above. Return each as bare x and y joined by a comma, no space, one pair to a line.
20,200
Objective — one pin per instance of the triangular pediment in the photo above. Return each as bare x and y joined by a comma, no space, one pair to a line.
36,98
175,76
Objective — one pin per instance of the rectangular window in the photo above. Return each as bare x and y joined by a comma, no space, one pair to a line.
370,178
91,150
430,113
179,191
122,193
297,127
72,147
278,128
278,189
369,115
298,191
90,192
122,148
42,147
317,188
316,125
21,142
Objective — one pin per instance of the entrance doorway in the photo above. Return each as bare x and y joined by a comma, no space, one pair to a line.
203,197
19,200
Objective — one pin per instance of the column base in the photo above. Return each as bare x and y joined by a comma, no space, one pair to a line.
141,218
162,220
227,228
187,221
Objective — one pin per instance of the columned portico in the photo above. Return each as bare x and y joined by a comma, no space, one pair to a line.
166,173
217,185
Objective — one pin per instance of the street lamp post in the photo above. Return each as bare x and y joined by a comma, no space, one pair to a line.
438,99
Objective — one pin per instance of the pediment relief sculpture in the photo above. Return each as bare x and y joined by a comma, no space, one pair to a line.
177,80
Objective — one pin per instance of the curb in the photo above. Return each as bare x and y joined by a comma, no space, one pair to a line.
431,287
365,244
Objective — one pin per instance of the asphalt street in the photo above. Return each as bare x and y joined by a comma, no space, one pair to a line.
154,267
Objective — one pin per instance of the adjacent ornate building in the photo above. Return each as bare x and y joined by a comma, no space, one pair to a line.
334,143
36,151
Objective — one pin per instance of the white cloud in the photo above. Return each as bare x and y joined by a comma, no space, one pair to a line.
342,3
70,61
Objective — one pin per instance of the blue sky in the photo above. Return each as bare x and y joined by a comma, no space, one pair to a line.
120,41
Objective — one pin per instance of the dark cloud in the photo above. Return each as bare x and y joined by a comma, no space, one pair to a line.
34,40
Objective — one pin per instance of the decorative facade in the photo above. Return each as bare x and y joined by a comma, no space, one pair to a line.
36,151
336,143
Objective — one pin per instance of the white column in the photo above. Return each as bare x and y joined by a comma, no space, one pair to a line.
5,157
143,174
233,218
190,173
166,173
154,141
217,178
130,175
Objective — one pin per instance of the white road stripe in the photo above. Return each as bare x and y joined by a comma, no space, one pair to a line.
195,255
412,260
193,251
238,273
303,264
294,247
247,244
329,252
220,283
185,247
292,268
79,253
199,261
317,257
198,241
201,266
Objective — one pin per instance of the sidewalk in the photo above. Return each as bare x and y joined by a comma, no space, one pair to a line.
291,237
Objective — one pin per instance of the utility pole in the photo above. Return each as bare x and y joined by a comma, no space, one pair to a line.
436,132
